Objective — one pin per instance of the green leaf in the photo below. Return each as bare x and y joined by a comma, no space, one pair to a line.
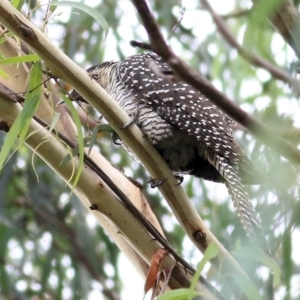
18,4
263,258
15,3
248,287
32,97
54,121
77,122
287,262
256,37
87,9
20,59
74,152
22,122
264,9
4,280
210,253
96,130
2,40
3,74
179,294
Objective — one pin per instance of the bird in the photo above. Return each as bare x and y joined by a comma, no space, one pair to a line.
192,134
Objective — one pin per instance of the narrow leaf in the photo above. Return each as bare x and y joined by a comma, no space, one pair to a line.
32,97
75,151
3,74
263,258
210,253
87,9
179,294
248,287
20,59
96,130
15,3
54,121
77,122
21,124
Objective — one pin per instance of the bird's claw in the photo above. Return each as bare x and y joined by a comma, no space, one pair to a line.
116,139
131,121
180,180
154,182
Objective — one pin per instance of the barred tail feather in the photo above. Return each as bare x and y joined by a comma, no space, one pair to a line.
245,209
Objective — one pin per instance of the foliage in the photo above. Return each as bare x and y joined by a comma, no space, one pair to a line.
51,248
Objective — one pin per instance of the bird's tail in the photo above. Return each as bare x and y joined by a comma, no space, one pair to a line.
245,209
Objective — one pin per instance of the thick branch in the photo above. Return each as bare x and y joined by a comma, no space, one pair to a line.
61,66
142,216
111,213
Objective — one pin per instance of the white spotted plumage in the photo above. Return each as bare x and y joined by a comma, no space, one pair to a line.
192,134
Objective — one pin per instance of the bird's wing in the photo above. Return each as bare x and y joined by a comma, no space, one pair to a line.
179,103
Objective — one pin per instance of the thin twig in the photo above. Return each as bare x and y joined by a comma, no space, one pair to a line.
144,46
236,14
181,14
252,58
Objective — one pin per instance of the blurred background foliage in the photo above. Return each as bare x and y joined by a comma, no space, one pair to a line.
51,248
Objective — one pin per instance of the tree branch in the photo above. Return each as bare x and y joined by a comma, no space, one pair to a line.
110,213
189,75
89,193
62,67
253,59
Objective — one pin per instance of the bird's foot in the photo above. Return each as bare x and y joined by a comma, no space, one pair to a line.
180,179
132,120
154,182
116,139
